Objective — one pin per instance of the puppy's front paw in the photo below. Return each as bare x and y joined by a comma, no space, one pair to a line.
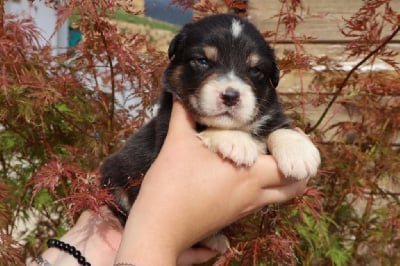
235,145
296,155
218,242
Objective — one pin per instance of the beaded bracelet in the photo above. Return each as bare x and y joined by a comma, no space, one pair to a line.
69,249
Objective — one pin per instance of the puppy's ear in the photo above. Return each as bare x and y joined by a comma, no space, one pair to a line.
173,46
275,75
178,42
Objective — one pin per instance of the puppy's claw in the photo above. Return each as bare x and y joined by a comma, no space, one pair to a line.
296,155
235,145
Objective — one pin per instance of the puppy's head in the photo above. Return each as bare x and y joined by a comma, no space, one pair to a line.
223,71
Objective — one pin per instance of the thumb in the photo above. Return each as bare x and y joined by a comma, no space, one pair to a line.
180,122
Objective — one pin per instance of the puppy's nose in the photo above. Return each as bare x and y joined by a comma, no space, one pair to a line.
230,96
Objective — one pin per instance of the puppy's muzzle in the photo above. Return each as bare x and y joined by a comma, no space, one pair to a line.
230,97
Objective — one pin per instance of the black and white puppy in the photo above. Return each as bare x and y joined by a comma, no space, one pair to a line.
225,74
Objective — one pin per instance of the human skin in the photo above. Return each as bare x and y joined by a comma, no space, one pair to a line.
188,193
98,235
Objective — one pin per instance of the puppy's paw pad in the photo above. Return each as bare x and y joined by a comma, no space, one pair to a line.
296,155
218,242
237,146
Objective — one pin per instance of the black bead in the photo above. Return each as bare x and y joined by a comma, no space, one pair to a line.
86,264
81,260
66,247
51,242
76,254
71,249
60,244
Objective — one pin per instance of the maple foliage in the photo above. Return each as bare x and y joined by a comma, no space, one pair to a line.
60,115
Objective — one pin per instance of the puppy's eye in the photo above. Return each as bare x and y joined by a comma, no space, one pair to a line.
200,62
256,72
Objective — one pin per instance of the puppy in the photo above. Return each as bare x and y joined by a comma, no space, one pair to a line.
225,74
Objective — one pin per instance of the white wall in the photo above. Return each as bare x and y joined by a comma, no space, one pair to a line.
45,19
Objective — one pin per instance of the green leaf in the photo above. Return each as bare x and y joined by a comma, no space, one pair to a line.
9,140
63,108
43,198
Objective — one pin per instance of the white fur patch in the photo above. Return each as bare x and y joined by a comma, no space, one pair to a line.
237,146
214,113
236,28
296,155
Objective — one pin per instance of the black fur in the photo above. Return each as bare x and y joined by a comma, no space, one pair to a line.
182,78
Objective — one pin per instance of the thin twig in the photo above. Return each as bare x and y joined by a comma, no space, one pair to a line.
112,109
344,82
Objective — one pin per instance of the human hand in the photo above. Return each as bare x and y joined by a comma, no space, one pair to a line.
190,192
97,236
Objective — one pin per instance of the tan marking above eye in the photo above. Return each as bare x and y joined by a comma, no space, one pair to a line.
252,60
211,53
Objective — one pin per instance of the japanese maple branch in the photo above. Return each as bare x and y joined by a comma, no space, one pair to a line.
344,82
112,109
109,59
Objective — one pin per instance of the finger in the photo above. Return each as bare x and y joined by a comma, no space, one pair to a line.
196,256
282,193
181,122
266,170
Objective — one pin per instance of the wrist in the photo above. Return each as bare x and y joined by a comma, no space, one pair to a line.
145,241
147,252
